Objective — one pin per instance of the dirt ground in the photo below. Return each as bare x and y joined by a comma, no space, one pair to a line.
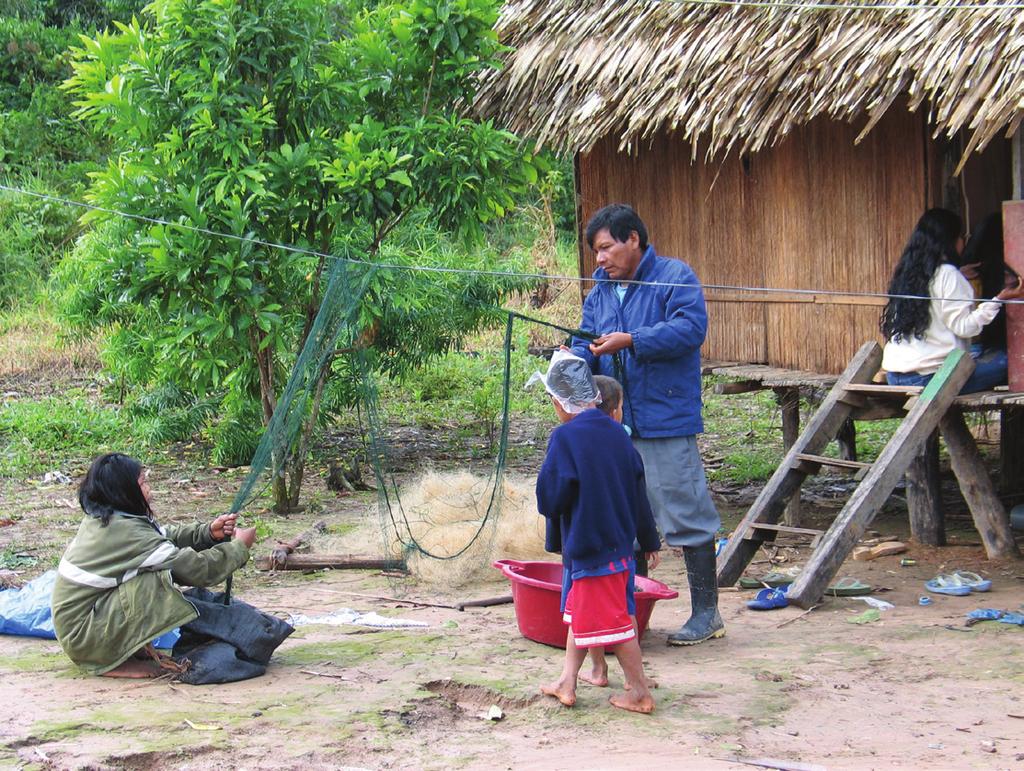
915,689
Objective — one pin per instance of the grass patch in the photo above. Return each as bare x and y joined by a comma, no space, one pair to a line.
40,435
12,559
367,647
30,341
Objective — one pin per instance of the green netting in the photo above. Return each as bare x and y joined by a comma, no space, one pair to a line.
336,320
336,317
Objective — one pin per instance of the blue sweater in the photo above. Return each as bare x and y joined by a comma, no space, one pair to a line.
592,484
662,369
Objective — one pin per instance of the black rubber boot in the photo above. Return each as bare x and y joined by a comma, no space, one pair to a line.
705,623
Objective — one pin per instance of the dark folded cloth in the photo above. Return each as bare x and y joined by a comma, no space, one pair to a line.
227,643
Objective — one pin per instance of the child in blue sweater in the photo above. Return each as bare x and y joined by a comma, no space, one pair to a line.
592,484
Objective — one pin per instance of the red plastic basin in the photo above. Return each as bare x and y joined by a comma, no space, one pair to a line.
537,594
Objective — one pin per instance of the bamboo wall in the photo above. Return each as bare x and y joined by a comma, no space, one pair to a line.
814,212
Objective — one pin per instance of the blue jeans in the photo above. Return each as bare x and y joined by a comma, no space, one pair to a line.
989,371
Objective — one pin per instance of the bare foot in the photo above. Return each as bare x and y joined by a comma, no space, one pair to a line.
135,670
633,703
598,677
650,682
560,691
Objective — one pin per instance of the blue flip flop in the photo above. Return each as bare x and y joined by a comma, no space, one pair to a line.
972,581
944,584
769,599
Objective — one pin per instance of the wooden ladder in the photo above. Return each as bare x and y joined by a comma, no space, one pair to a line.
925,408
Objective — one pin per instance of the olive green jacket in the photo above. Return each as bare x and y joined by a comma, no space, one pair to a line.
115,587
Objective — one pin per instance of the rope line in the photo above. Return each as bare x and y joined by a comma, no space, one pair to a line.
476,272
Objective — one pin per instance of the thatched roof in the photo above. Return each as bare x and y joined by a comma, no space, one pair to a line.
743,77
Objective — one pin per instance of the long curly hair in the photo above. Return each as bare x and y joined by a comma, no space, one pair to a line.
932,243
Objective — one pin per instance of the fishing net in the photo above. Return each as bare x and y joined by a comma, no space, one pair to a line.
460,544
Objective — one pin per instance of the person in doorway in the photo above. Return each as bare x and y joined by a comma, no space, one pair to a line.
982,265
931,311
648,312
114,592
592,484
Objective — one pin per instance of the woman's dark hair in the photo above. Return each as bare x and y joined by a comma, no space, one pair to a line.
112,484
620,220
986,248
932,243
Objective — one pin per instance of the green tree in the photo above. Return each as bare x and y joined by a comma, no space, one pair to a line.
300,122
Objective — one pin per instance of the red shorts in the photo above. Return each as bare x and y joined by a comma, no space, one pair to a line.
596,610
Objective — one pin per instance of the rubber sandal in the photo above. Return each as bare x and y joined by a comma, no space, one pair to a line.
769,599
945,584
848,587
972,581
772,580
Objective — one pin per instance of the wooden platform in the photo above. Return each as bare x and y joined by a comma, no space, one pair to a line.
880,403
772,377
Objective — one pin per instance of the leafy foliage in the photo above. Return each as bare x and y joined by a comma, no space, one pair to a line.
326,127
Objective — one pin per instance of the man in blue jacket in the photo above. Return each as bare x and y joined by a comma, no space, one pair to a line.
649,310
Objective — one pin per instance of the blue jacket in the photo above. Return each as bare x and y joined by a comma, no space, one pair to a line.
661,375
592,483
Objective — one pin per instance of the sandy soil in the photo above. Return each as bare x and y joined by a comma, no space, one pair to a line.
915,689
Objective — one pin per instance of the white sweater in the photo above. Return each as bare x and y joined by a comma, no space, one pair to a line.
953,321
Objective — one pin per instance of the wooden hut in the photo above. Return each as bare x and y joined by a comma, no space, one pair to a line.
773,146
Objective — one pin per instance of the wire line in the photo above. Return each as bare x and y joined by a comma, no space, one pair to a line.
476,272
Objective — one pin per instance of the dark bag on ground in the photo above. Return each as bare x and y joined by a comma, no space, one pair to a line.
227,643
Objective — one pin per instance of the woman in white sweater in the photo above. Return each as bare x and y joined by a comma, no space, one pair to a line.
920,333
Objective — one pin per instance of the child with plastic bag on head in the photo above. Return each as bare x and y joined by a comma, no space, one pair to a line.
592,484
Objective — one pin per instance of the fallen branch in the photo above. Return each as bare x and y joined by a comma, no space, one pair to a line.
795,618
322,561
322,674
416,603
781,765
485,603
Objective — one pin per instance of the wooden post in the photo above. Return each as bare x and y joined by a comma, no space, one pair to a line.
987,510
1013,255
924,501
789,404
1011,455
1017,164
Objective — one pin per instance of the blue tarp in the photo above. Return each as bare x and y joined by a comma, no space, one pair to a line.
26,611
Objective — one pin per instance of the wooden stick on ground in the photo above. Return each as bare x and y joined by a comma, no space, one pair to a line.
332,561
781,765
416,603
795,618
484,603
284,548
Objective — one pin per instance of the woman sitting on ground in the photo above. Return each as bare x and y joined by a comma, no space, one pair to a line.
115,588
920,333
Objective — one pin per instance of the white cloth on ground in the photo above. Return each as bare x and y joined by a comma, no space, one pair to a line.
347,616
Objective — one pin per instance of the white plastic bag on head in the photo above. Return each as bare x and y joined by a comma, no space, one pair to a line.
569,381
